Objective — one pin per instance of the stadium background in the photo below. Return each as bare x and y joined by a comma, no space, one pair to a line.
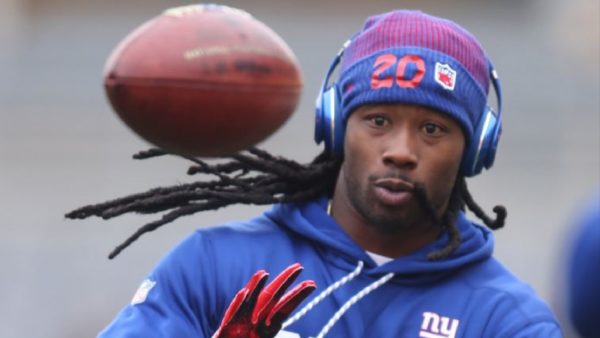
62,147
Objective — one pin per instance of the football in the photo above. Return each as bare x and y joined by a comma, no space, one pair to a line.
203,80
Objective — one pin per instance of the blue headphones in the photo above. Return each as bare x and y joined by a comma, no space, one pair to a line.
479,154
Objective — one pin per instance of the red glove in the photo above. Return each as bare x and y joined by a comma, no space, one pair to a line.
258,311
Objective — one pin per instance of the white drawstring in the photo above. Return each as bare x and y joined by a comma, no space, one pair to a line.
324,294
352,301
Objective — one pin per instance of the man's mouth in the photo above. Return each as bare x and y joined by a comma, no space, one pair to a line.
395,184
393,191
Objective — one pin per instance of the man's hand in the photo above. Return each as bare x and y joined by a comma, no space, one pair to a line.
258,311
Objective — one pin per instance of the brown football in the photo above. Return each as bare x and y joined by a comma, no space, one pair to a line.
203,80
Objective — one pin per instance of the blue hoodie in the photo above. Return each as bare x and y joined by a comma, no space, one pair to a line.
469,294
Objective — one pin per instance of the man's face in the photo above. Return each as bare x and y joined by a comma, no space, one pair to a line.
387,149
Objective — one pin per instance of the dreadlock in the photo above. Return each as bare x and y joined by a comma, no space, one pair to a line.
253,177
459,198
259,178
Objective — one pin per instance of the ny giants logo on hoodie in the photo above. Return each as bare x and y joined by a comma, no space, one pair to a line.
436,326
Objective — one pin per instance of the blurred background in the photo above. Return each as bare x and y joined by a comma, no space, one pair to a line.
62,147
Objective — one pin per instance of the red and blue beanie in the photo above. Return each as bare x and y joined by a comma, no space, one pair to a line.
410,57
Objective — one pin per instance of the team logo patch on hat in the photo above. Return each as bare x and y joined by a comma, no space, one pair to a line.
142,292
445,75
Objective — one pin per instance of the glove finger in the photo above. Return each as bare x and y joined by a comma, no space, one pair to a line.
289,302
234,306
244,301
254,287
272,292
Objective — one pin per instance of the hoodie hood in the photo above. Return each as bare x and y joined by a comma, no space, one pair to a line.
311,221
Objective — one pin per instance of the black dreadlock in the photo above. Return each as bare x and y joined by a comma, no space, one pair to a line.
460,198
255,177
259,178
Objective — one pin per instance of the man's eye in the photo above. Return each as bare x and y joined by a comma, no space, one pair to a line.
378,121
432,129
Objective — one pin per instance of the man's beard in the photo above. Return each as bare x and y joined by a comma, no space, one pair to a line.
384,218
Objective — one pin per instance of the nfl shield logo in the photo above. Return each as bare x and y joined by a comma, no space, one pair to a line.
445,75
142,291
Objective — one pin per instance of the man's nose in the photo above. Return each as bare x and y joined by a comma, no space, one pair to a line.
400,150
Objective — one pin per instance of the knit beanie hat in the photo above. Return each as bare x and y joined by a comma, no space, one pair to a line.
410,57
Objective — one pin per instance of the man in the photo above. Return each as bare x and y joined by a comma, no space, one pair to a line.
583,273
384,238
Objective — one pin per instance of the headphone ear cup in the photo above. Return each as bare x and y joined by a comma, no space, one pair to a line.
481,151
320,123
490,157
329,127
